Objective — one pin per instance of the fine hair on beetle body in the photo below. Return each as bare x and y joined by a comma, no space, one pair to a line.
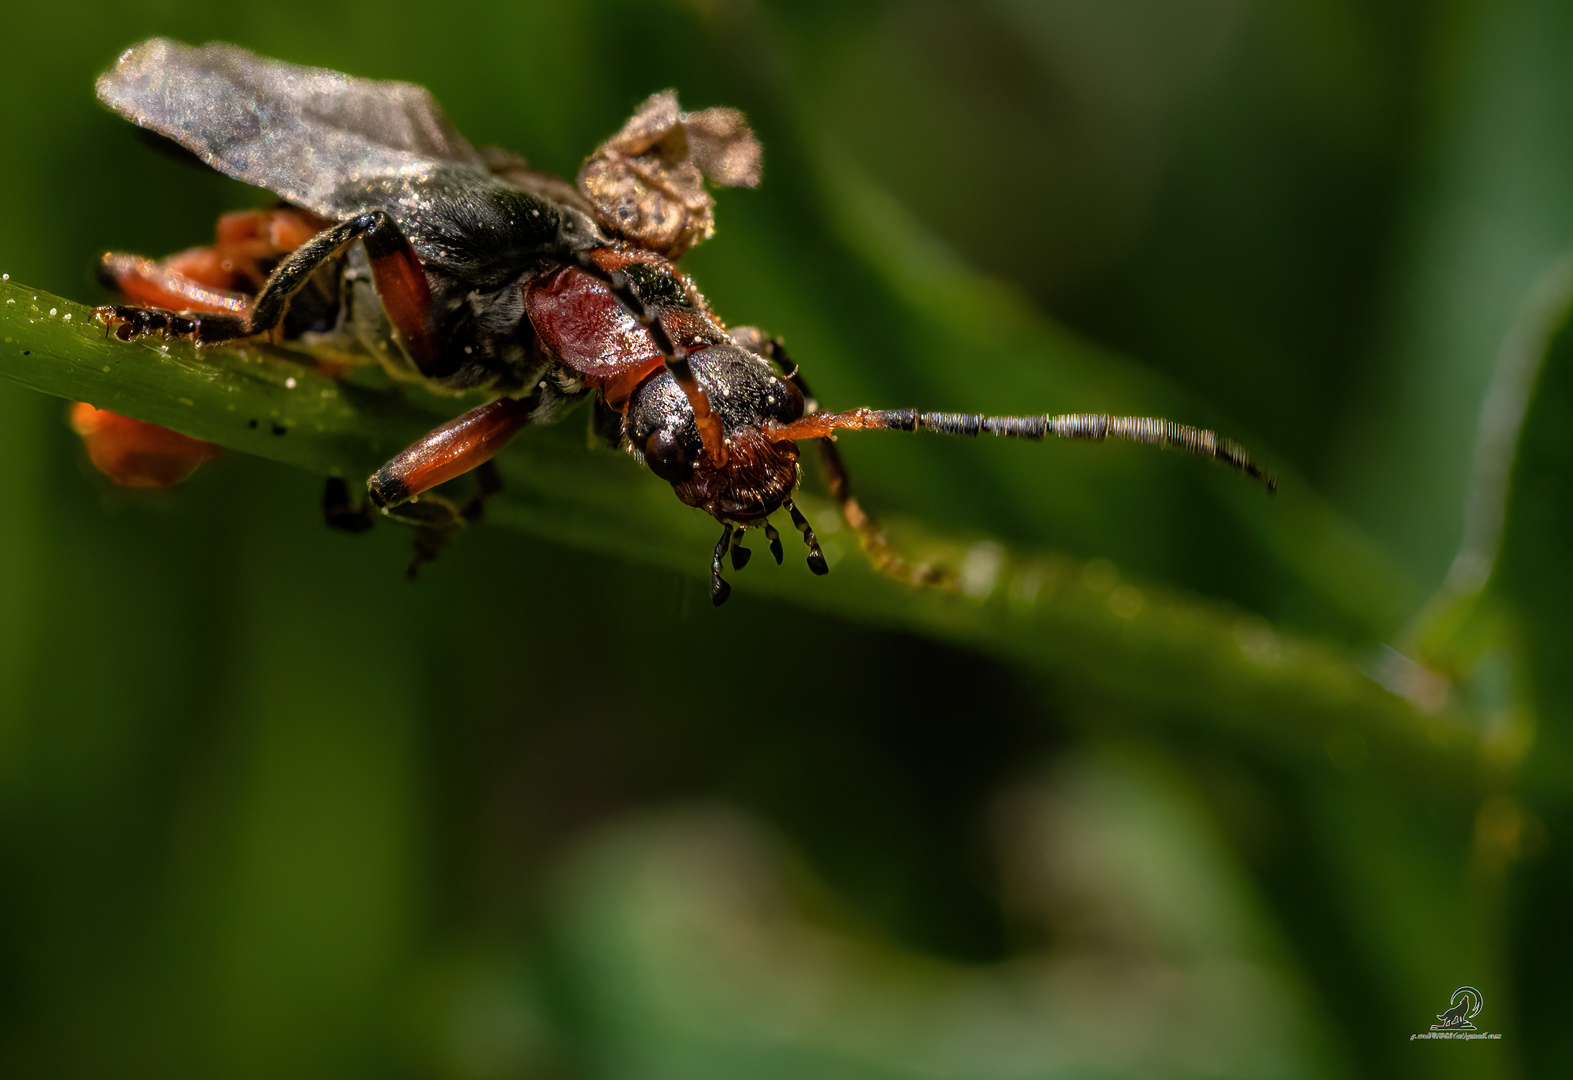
467,270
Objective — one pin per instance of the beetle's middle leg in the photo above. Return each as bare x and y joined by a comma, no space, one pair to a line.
872,538
399,489
340,512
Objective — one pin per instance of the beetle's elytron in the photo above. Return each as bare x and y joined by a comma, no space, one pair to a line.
469,271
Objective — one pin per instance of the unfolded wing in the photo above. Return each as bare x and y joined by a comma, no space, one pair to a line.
310,135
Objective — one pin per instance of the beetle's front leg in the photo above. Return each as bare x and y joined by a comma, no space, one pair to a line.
870,535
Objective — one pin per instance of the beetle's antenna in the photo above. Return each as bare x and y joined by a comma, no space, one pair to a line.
675,355
1095,426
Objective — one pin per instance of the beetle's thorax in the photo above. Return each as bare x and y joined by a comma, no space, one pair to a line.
581,325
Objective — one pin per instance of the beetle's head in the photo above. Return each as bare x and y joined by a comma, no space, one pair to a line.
753,419
758,474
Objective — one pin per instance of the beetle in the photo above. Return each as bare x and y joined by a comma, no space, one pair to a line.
466,270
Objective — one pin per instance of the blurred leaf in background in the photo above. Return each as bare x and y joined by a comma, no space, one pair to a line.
1188,783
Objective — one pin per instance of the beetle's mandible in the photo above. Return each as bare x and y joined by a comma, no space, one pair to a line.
468,271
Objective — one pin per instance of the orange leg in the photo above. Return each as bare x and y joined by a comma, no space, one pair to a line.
869,534
179,283
129,452
466,443
460,445
218,278
396,270
212,279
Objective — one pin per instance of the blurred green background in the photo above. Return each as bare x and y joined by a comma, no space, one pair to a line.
268,809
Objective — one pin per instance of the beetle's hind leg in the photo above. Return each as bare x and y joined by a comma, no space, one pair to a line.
435,520
488,482
204,293
870,536
397,272
131,323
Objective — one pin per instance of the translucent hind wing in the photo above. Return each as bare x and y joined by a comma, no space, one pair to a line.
309,135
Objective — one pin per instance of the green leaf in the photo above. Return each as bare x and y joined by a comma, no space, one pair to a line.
1045,612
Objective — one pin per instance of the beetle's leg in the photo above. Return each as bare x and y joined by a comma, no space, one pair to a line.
396,271
339,512
436,520
215,280
463,443
130,323
488,483
719,589
132,453
869,534
189,281
675,355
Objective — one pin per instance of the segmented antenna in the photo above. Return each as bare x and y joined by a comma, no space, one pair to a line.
1095,426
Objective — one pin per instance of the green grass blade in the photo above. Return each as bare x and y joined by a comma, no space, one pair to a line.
1074,621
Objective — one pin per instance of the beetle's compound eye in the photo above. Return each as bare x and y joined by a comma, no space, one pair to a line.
669,457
